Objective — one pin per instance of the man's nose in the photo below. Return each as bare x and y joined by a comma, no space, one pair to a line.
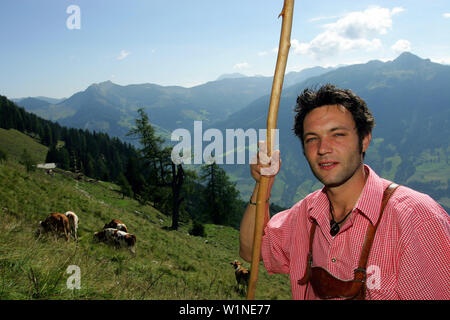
324,146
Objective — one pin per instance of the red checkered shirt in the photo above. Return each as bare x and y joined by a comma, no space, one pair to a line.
410,255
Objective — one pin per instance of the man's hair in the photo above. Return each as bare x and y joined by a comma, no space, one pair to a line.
331,95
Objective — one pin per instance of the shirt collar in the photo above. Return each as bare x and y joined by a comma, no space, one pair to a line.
368,204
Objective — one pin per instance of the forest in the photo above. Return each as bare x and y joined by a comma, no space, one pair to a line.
146,173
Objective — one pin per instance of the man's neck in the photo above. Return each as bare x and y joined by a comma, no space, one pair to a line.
344,197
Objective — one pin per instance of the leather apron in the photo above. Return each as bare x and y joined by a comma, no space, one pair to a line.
327,286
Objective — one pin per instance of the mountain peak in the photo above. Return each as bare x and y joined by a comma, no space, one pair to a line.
407,58
102,85
231,76
107,83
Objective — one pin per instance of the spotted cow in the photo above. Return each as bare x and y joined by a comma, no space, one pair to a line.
73,223
117,238
55,223
116,224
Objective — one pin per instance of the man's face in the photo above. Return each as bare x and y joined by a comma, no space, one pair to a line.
331,144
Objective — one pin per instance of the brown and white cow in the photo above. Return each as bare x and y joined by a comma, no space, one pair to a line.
242,274
73,223
116,224
56,223
117,238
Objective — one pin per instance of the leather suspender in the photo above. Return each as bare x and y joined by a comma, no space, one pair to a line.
323,279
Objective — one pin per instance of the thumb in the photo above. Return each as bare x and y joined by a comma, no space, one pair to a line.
274,165
276,156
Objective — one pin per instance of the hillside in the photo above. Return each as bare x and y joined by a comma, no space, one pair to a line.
167,264
13,142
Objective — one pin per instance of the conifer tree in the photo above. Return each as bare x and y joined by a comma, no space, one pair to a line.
27,161
3,156
163,173
221,197
125,187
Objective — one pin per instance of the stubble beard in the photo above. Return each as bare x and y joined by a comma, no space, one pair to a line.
347,169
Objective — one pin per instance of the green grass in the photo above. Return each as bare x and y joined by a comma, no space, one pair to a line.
167,264
394,164
14,142
432,166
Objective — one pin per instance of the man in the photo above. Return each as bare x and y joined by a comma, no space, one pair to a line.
410,254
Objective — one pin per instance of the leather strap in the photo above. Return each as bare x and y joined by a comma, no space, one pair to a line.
360,272
371,229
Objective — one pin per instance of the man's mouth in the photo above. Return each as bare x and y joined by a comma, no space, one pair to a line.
327,165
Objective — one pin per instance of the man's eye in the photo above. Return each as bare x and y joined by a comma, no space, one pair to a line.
310,140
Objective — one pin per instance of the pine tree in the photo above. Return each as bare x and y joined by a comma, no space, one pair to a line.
52,155
3,156
64,159
27,161
125,187
134,176
90,166
163,173
221,197
150,143
102,170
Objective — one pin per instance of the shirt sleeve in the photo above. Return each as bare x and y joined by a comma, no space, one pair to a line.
275,243
424,260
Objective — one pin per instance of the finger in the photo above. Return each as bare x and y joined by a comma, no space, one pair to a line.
254,159
262,146
263,158
274,165
276,156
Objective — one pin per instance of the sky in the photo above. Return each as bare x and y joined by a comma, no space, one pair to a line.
56,48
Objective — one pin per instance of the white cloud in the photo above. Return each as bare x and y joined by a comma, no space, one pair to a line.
262,53
441,59
123,54
446,15
356,30
397,10
401,46
322,18
241,65
371,22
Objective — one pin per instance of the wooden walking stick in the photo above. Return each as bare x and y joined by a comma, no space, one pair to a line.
283,51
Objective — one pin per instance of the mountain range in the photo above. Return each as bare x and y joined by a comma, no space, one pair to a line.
410,100
409,97
112,108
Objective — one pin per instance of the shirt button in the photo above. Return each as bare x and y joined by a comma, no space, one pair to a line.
333,260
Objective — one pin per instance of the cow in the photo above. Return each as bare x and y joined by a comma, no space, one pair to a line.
117,238
56,223
73,224
116,224
242,274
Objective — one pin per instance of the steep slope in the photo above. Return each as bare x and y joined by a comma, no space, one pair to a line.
167,264
13,142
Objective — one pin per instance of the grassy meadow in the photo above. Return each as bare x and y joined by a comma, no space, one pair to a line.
167,265
13,142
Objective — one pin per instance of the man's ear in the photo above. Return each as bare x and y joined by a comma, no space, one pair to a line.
366,142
